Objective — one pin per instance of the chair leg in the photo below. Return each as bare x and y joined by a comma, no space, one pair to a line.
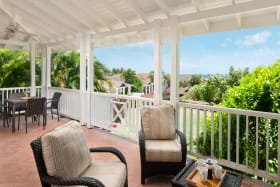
18,120
57,114
26,125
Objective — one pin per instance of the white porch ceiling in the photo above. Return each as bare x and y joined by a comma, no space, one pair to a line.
115,22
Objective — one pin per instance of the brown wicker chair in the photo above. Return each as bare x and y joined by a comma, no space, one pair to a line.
54,104
150,166
83,179
19,109
36,107
5,114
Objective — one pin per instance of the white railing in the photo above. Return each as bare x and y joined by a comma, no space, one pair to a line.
5,92
222,132
109,109
148,88
69,104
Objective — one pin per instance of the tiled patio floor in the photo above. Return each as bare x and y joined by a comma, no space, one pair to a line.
17,166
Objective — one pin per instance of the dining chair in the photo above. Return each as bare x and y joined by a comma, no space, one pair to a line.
54,104
36,107
5,114
19,109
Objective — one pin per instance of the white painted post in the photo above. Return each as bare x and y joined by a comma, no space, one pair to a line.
174,76
157,63
48,55
32,69
44,71
90,73
82,77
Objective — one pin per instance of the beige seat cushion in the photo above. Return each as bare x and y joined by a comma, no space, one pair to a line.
65,151
163,151
158,122
110,173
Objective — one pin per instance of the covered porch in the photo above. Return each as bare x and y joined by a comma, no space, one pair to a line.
125,22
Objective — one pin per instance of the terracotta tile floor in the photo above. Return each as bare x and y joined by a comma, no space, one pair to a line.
17,166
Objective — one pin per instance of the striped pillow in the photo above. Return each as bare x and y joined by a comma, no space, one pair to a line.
65,151
158,122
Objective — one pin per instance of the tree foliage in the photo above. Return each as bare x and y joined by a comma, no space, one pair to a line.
130,77
15,68
258,91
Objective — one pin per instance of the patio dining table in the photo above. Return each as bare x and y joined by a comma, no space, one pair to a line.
13,103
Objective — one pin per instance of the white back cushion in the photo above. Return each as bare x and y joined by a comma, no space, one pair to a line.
65,151
158,122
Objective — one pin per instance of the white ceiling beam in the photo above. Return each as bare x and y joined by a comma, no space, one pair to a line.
65,9
206,24
278,15
137,10
196,5
13,16
41,28
239,20
49,15
114,13
96,17
230,10
13,42
163,7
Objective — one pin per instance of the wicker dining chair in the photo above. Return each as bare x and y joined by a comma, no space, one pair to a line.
19,109
5,114
54,104
36,107
160,150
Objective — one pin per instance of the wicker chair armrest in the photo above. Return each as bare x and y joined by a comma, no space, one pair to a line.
71,181
142,144
112,150
183,142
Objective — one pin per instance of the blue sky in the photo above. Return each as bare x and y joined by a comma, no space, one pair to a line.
202,54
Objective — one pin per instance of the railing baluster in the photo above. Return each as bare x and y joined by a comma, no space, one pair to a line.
267,124
228,140
212,133
197,128
278,150
257,142
191,130
220,134
184,120
237,138
205,127
246,134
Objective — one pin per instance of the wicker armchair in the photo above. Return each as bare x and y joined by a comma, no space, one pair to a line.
160,152
85,177
36,107
5,114
54,104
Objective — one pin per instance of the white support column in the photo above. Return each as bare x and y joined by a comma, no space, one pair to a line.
174,76
32,69
90,73
157,63
48,73
82,78
44,71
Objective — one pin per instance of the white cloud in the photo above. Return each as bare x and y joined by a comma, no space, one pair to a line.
254,39
226,42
